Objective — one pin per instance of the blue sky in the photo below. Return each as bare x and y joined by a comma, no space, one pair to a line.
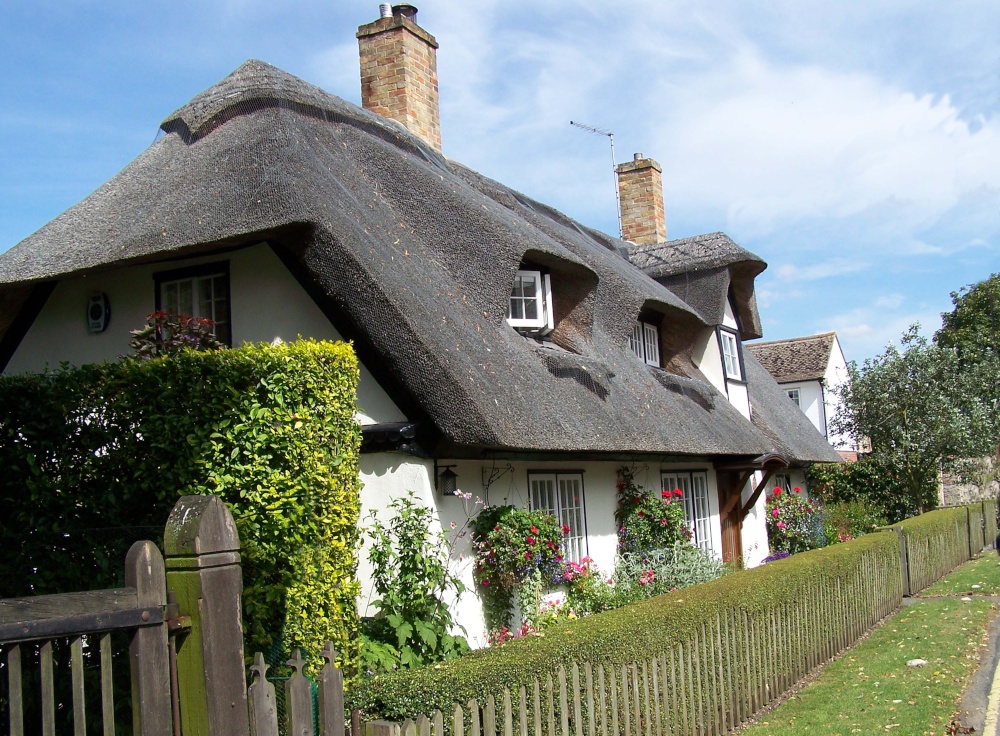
854,146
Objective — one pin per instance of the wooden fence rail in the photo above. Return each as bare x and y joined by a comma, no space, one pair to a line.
33,628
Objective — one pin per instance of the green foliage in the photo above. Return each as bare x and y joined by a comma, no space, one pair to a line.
95,457
511,545
413,580
866,482
166,334
847,520
648,521
794,523
915,406
631,633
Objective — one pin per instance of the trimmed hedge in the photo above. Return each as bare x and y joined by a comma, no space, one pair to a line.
94,458
936,543
864,573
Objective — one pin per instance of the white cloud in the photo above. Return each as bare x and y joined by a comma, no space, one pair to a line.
823,270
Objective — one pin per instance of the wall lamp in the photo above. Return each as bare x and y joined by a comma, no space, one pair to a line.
447,480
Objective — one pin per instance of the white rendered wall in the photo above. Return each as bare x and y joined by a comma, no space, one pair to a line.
267,304
736,390
810,402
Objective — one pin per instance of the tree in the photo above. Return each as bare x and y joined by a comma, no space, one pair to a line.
972,328
917,408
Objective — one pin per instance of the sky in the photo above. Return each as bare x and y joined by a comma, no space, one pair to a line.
854,146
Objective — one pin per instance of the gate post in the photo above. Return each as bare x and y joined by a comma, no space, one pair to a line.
203,571
147,646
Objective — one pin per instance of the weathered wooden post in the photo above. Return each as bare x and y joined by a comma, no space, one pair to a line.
203,571
147,646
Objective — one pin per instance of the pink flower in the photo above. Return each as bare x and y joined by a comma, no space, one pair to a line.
486,581
781,525
663,522
565,529
774,513
530,541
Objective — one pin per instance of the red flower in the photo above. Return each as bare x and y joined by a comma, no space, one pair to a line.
678,492
527,555
797,489
496,528
530,541
534,530
664,494
486,581
550,545
642,513
777,491
558,558
565,529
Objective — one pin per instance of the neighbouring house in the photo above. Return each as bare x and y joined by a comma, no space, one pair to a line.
810,370
506,349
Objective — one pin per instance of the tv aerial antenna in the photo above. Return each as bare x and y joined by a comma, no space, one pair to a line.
614,164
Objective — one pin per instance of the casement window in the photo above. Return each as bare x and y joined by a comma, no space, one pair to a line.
793,394
697,511
561,494
782,481
730,344
645,342
200,291
530,306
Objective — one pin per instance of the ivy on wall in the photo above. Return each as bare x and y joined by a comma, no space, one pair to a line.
94,458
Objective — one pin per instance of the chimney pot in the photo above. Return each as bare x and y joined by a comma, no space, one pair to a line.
384,10
405,11
637,157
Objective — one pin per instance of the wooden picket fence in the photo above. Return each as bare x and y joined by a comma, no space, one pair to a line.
726,670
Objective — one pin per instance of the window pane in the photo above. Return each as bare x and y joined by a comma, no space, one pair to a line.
635,340
697,511
651,340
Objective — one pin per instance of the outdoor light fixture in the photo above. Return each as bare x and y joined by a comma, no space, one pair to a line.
447,481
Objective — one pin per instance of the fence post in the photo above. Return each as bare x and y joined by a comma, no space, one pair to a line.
203,571
147,647
904,563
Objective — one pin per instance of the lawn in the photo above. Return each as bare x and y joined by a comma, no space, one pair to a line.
977,577
872,690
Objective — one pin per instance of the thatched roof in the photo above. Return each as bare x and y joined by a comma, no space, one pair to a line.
413,256
702,270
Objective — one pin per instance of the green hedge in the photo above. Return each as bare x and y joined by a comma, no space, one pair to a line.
857,583
94,458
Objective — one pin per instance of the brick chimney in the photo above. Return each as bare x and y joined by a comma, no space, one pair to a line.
399,72
640,188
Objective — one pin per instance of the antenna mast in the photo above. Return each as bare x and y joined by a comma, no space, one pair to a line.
614,164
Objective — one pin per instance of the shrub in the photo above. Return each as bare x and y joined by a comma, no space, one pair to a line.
166,334
868,481
515,547
95,457
412,577
794,524
847,520
646,520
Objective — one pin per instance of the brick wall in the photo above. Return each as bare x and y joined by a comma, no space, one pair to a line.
399,75
640,187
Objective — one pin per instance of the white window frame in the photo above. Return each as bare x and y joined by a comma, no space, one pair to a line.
782,481
196,276
544,322
729,344
697,505
644,342
793,394
561,494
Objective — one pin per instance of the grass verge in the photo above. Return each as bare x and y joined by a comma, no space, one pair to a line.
872,690
976,577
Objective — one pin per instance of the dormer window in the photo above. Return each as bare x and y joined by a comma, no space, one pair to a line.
645,342
730,344
530,308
